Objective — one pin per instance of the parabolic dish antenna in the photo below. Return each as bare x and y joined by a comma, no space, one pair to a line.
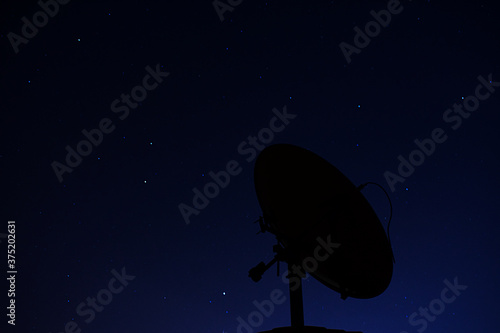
307,202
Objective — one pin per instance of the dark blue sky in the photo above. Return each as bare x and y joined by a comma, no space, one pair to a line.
114,220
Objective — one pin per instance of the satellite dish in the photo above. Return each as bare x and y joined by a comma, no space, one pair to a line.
306,202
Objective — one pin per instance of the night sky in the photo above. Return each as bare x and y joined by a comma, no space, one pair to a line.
115,115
